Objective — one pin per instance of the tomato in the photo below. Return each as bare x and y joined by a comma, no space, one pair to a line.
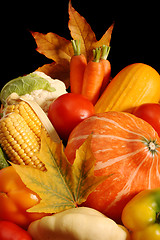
150,112
11,231
67,111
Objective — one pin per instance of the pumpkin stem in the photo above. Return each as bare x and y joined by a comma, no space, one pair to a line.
152,146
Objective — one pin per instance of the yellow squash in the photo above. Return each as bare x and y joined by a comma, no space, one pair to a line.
77,224
134,85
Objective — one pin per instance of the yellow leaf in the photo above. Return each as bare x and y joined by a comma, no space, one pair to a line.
63,185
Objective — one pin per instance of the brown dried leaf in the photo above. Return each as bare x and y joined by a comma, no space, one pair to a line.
80,29
106,38
53,46
57,71
60,49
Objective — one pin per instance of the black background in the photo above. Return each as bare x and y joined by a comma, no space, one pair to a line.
135,38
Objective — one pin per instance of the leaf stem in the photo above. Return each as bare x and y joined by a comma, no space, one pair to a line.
76,47
105,51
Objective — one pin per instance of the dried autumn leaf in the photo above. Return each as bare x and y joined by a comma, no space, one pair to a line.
63,185
60,49
106,38
80,29
53,46
57,71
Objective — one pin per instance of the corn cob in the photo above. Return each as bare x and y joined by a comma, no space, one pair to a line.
28,115
39,113
20,131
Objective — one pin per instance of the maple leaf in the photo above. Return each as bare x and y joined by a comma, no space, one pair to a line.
63,185
53,46
57,71
60,49
80,29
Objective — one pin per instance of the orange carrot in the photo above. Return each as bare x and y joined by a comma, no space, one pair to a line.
107,67
93,77
78,64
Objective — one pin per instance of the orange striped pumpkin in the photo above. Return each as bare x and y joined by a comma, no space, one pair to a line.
125,146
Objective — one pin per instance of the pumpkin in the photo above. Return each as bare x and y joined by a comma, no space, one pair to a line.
124,146
134,85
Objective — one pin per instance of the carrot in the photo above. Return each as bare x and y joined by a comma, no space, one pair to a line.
93,77
107,67
78,64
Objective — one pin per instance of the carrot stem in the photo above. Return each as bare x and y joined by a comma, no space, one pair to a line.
93,77
78,64
76,47
96,54
105,51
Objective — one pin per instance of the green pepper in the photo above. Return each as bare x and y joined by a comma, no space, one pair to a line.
141,215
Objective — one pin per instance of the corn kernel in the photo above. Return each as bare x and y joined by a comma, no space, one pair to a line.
19,141
21,151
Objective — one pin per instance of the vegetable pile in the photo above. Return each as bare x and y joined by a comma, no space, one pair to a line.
80,148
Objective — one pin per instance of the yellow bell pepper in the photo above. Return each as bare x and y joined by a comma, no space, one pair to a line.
141,215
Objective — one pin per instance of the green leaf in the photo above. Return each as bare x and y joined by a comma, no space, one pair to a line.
3,159
63,185
25,84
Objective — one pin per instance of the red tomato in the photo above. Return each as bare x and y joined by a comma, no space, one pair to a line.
67,111
11,231
150,112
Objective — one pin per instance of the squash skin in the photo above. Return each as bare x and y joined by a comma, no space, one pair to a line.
120,148
134,85
77,224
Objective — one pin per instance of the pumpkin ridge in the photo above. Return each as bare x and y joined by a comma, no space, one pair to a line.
83,137
134,121
135,167
116,124
117,137
150,173
157,170
105,120
112,161
128,185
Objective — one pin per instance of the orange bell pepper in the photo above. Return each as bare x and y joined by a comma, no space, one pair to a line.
16,198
